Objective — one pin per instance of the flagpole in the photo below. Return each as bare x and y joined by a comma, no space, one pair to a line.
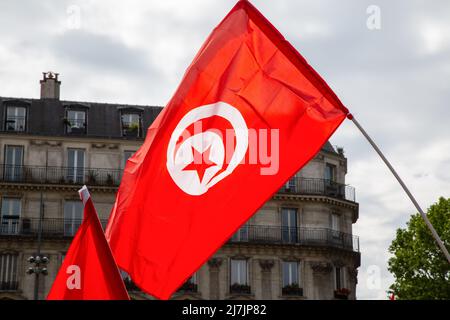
405,188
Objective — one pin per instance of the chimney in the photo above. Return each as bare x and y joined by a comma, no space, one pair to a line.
50,85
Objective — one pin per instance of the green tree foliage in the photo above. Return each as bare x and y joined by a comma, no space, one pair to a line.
420,269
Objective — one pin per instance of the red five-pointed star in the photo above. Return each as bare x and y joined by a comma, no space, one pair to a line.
200,163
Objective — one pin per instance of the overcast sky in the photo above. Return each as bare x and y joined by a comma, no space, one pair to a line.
395,79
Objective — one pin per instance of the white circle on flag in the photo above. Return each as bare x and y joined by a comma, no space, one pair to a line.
199,162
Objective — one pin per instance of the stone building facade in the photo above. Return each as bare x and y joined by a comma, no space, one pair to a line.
299,245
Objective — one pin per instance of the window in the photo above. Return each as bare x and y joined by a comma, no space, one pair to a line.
13,163
127,155
339,277
291,185
15,118
10,215
131,125
335,222
75,164
76,121
242,233
193,278
330,173
73,215
290,273
239,272
289,225
190,285
8,272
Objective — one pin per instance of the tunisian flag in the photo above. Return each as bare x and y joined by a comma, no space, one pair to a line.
88,271
248,114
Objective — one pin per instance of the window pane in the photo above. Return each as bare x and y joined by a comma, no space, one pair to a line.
75,162
15,119
290,273
335,222
131,124
338,278
10,207
289,224
73,213
238,271
330,172
126,156
8,271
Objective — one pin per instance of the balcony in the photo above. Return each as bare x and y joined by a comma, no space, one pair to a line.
341,294
292,290
237,288
60,175
9,286
112,177
321,187
189,287
320,237
51,227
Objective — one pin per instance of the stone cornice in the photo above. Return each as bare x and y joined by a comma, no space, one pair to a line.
354,206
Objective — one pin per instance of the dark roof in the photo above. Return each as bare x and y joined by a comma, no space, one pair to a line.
46,117
328,147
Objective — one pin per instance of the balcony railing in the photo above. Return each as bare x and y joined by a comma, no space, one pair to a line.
60,175
112,177
313,186
237,288
9,285
257,234
263,234
188,286
292,290
51,227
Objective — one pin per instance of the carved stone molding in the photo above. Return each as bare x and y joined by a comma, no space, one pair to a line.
321,267
266,265
214,263
40,143
98,145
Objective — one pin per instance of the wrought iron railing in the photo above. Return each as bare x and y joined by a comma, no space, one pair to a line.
295,236
188,286
54,227
112,177
258,234
9,285
292,290
314,186
240,288
60,175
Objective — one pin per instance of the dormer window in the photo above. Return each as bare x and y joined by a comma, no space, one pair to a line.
15,118
131,125
75,121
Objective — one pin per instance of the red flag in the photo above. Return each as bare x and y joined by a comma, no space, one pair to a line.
204,168
392,296
88,271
